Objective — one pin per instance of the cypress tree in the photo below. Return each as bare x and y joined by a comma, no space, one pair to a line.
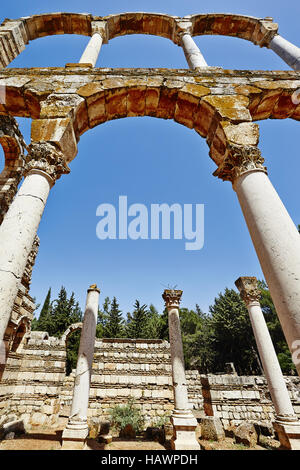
137,322
46,306
114,322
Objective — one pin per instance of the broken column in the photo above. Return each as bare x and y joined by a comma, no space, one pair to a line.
286,422
76,431
183,420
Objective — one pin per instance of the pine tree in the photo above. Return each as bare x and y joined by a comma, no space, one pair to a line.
137,321
232,335
114,323
154,323
62,312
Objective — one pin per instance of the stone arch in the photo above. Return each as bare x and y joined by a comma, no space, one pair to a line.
17,33
69,330
259,31
14,148
21,333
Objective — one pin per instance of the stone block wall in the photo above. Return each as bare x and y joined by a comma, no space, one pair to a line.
124,369
34,386
235,399
31,382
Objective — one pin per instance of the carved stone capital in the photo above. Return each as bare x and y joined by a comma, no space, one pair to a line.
266,31
182,26
248,288
101,27
172,297
238,160
46,157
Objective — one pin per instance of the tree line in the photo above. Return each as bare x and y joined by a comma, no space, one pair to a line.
210,340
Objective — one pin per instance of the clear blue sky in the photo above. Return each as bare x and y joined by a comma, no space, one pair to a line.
154,161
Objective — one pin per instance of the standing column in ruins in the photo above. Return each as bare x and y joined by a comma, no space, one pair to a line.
286,50
76,431
45,164
286,422
183,420
274,234
92,50
192,52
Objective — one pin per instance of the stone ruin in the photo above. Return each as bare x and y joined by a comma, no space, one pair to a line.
222,106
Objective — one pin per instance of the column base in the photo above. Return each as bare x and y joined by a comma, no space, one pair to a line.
288,432
184,431
74,436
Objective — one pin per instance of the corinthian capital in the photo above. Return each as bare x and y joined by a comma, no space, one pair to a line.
238,160
248,288
182,26
47,158
172,297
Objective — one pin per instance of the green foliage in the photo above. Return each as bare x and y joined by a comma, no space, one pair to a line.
46,307
114,324
160,421
72,351
121,415
58,315
154,323
137,322
232,336
209,340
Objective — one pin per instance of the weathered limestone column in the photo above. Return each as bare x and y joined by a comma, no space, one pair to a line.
286,50
76,432
92,50
286,422
183,420
192,52
274,234
44,165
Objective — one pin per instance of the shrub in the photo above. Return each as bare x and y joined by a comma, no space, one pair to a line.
121,415
161,421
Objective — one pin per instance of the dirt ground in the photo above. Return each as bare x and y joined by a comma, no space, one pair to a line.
50,439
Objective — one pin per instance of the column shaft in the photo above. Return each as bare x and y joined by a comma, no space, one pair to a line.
183,420
286,50
178,369
85,357
91,52
277,244
192,52
277,386
17,233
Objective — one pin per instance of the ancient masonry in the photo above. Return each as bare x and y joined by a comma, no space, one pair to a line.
222,106
35,388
